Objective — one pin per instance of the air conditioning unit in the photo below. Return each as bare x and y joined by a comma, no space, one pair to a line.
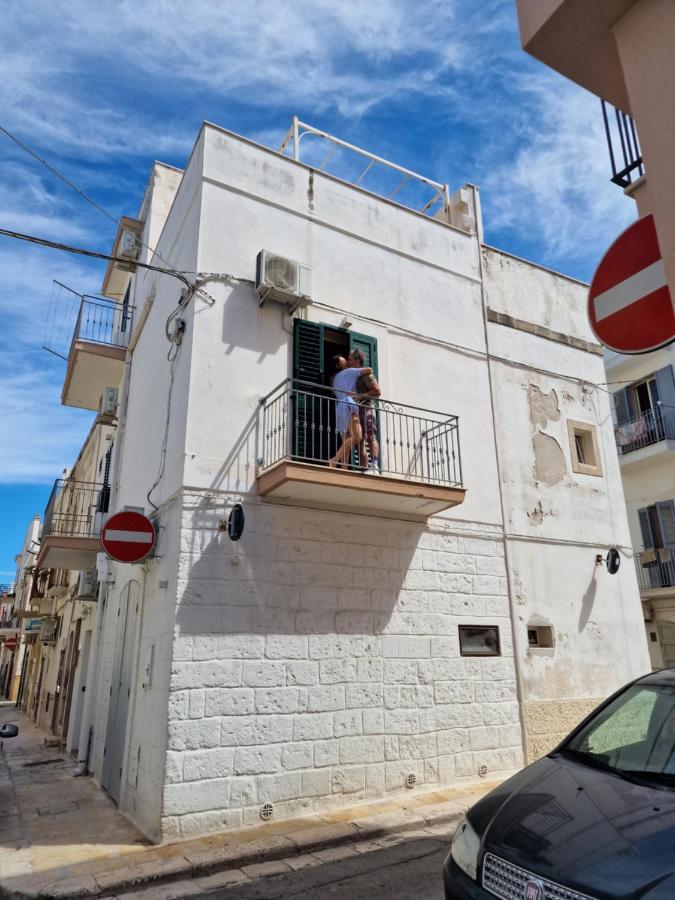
87,588
107,405
281,279
129,246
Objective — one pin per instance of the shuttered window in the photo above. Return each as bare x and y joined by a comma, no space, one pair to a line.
314,434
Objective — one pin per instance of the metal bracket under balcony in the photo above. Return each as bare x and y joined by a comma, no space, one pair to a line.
419,459
97,351
72,525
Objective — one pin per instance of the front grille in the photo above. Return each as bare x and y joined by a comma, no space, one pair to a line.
507,881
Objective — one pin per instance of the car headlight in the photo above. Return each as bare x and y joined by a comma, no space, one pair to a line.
465,847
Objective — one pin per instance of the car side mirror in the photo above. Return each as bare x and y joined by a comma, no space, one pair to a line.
8,730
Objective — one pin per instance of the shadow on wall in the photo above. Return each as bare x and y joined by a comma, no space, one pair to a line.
589,599
250,326
300,572
237,472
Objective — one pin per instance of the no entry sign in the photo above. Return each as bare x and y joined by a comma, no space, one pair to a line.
10,643
128,537
629,304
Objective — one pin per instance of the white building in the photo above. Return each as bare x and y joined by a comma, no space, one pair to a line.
437,621
643,391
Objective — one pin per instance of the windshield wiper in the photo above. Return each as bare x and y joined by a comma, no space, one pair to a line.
587,759
663,778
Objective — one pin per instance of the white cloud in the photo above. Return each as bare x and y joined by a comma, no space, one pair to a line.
557,187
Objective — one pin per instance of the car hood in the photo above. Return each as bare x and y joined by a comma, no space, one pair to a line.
595,832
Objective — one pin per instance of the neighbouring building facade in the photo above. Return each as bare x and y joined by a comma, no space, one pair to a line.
622,51
643,391
366,634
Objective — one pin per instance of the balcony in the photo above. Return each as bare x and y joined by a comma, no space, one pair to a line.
655,570
624,150
97,351
419,456
72,525
645,437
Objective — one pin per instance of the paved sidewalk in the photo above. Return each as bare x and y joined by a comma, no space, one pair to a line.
63,837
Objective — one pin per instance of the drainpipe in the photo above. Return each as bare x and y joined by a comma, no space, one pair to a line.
514,620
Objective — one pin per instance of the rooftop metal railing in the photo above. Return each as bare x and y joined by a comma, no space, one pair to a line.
298,423
429,197
75,509
655,569
104,322
651,427
622,143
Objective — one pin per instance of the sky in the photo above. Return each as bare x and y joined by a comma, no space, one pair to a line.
102,90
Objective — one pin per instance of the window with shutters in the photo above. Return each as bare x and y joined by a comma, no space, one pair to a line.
645,411
657,559
584,449
315,437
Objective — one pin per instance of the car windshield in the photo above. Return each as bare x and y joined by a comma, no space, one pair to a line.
633,736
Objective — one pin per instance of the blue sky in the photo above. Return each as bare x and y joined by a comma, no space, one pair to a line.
101,90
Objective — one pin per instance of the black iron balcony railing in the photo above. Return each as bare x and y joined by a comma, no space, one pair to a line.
651,427
298,423
104,322
655,569
75,509
623,146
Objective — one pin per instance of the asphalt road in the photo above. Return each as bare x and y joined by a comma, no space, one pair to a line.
409,869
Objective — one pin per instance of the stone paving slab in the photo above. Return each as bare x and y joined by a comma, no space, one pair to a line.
48,846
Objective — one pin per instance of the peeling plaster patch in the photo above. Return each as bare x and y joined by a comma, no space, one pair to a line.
537,514
549,460
543,407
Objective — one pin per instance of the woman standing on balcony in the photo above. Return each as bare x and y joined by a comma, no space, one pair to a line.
346,409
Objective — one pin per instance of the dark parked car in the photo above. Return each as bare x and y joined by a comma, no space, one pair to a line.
593,819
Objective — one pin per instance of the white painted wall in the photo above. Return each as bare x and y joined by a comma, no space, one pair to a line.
556,530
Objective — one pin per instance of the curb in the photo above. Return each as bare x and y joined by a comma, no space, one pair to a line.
127,881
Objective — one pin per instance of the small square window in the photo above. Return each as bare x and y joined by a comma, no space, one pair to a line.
540,636
479,640
583,438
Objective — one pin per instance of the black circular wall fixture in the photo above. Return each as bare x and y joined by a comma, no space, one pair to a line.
235,522
613,561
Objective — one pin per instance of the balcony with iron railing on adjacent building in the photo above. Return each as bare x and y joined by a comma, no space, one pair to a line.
655,569
654,429
624,149
97,351
71,531
419,470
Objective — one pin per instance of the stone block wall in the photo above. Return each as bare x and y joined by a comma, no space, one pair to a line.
316,663
547,722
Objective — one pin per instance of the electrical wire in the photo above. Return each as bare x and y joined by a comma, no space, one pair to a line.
23,146
55,245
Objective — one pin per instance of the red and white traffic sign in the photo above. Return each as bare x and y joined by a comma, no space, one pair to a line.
10,643
629,304
128,536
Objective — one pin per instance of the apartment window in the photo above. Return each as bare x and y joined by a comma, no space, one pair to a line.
479,640
583,438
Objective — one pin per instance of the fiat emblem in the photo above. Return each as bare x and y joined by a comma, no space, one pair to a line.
534,890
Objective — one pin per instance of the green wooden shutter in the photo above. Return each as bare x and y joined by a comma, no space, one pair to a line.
369,347
306,407
308,363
